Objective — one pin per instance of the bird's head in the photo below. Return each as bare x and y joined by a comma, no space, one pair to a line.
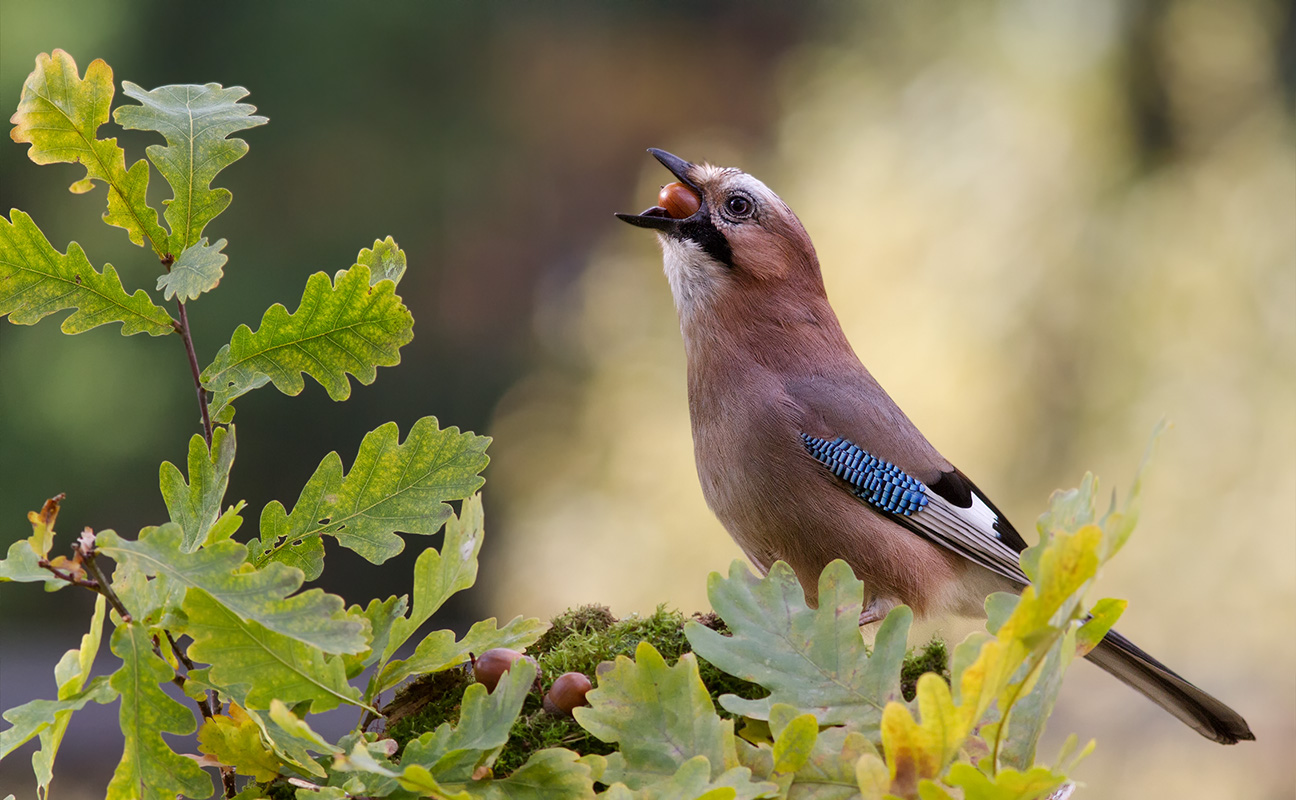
728,241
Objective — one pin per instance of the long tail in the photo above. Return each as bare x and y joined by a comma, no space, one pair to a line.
1140,671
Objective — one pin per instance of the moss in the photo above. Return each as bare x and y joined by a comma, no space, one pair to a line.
578,641
584,620
425,703
578,652
932,658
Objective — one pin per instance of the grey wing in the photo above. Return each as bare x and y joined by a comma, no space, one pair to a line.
951,513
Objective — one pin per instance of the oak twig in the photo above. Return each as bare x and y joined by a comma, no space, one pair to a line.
183,329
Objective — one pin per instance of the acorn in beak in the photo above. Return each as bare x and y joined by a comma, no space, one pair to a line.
676,202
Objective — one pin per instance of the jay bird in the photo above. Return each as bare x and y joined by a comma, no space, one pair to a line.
802,455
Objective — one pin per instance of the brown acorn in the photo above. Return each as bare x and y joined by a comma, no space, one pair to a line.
492,664
567,692
678,200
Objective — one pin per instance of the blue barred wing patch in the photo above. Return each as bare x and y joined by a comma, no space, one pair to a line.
876,481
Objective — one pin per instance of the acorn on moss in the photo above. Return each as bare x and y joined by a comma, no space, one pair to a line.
567,692
491,665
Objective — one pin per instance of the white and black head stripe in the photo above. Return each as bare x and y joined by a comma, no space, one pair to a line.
702,231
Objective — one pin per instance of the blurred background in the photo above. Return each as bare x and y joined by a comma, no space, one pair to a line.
1079,217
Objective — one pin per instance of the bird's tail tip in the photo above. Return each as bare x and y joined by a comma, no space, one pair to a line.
1160,684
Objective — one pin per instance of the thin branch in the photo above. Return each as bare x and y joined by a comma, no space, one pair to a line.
85,550
183,329
85,583
209,706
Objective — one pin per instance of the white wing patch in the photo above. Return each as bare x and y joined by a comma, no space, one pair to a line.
970,532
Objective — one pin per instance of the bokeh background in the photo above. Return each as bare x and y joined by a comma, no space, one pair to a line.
1045,226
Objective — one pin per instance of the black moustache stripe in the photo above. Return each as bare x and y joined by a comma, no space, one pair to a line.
702,231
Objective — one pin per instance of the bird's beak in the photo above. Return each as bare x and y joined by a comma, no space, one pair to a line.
658,218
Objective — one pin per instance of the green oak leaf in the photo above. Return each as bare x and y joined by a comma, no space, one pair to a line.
454,754
149,769
36,280
338,328
1101,618
386,261
438,575
226,525
42,522
1036,783
292,738
812,659
1029,714
661,716
305,554
71,673
375,775
195,506
795,736
440,651
234,739
20,565
196,122
198,269
551,774
147,600
805,761
262,596
380,615
59,114
1070,509
391,487
693,781
255,665
831,769
33,717
1073,509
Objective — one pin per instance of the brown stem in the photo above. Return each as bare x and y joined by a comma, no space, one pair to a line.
183,329
205,705
92,585
210,706
87,553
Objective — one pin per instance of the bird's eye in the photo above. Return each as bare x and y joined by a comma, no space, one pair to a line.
739,206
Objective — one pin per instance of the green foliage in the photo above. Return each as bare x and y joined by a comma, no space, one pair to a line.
196,121
36,280
788,647
391,487
198,269
806,709
256,665
258,596
661,716
149,768
36,716
60,114
23,563
71,674
341,327
195,506
386,261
